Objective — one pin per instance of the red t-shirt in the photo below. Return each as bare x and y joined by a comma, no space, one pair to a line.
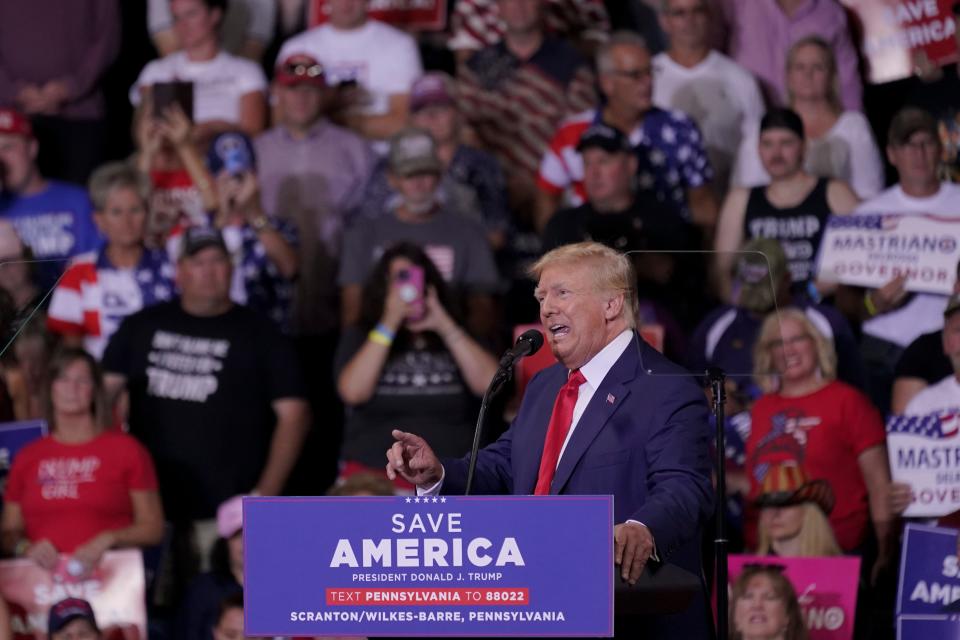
825,432
69,493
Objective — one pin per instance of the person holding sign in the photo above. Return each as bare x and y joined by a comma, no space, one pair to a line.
613,417
82,490
792,209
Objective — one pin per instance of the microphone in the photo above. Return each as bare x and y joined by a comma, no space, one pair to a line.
527,344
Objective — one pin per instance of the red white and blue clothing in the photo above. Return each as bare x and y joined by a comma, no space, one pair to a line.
670,153
94,296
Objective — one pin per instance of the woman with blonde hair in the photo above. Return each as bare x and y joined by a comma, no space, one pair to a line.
764,606
840,143
793,514
829,427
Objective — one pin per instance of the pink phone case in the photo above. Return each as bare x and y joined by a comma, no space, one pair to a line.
411,280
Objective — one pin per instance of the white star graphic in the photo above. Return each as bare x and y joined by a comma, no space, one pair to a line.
409,500
434,499
443,499
417,500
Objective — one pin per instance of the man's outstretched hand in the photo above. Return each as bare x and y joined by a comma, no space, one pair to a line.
412,459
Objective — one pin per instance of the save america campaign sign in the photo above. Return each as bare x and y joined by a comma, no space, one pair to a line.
429,566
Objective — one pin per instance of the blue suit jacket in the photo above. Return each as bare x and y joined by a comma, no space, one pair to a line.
644,438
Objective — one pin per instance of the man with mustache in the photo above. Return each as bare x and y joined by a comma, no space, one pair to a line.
792,209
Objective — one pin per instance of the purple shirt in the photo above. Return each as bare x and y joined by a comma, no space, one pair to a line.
73,41
313,183
761,34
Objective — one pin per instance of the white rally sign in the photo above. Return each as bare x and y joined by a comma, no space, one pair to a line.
924,452
870,250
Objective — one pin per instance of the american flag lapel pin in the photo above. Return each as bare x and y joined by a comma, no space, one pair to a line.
610,398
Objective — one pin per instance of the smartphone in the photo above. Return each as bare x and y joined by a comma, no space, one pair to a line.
410,282
169,93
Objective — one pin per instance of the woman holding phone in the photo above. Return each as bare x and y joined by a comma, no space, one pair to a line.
408,364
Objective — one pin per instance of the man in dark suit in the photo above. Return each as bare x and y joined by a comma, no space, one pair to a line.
613,417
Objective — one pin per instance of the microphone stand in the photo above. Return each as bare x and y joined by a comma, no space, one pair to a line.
717,378
503,375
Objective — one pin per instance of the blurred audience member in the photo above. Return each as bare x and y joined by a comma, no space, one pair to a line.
263,249
200,609
893,318
183,190
477,24
101,288
371,64
612,199
229,625
762,285
840,142
84,489
516,92
246,28
672,162
362,484
53,56
828,427
720,95
456,246
761,34
311,173
793,209
17,276
72,619
764,606
793,514
226,92
923,363
25,367
214,393
472,183
409,358
51,217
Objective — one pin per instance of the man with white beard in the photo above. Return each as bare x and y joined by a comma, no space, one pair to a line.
457,246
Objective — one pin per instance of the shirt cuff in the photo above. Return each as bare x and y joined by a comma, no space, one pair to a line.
435,489
653,554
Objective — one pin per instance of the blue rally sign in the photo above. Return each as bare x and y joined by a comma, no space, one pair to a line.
437,566
14,436
929,588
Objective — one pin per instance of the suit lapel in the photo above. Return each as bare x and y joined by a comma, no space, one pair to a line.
532,438
605,401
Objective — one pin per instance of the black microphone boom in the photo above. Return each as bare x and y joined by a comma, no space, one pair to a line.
527,344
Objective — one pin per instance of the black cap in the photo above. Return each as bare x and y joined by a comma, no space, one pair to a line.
601,136
909,121
195,239
66,611
782,119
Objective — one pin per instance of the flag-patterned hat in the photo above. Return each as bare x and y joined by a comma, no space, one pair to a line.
786,484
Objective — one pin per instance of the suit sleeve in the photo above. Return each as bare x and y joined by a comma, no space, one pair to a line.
680,494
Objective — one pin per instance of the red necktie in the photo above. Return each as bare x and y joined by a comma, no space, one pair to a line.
557,429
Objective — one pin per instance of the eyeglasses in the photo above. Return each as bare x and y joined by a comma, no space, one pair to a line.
303,70
632,74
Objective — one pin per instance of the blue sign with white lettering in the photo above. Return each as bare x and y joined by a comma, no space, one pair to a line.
14,436
929,571
928,627
429,566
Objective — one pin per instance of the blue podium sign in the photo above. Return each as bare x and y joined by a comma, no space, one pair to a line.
14,436
437,566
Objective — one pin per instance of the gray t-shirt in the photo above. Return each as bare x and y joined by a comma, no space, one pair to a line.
458,247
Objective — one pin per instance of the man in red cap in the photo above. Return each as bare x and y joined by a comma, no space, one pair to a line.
311,173
53,218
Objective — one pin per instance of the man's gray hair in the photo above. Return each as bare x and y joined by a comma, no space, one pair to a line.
604,57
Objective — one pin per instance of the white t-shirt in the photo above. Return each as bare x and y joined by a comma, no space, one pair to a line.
218,84
722,97
383,60
938,397
924,312
847,152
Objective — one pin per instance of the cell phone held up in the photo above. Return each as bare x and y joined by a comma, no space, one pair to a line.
166,94
410,282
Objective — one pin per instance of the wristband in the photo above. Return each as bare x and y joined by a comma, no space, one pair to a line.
381,335
868,305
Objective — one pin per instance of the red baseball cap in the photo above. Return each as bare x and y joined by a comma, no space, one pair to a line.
14,122
300,68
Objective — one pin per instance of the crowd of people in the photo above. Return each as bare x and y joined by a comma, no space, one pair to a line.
303,238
